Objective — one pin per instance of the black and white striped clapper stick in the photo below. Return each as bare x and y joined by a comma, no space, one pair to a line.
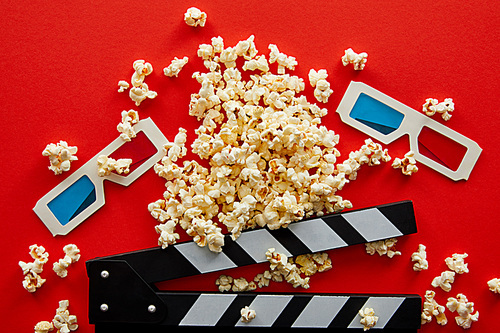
122,292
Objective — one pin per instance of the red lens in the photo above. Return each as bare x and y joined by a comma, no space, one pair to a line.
440,148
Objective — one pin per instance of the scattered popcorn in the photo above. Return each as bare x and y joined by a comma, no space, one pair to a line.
310,264
358,60
368,318
224,282
60,268
139,94
60,156
247,314
38,253
35,267
227,283
494,285
407,164
175,66
32,280
129,119
432,308
279,263
141,70
106,165
281,268
383,247
241,284
282,59
263,279
270,162
140,90
420,259
456,263
63,321
195,17
444,281
464,309
72,255
44,327
318,81
445,108
123,85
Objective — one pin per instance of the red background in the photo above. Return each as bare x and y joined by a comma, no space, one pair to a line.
61,62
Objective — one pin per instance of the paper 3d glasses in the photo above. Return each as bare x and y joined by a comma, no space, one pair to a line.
386,119
82,193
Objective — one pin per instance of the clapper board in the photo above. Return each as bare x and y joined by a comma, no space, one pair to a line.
123,296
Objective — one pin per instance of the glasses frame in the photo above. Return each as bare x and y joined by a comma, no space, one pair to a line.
89,169
412,124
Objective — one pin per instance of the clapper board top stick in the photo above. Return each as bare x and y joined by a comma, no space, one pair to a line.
122,295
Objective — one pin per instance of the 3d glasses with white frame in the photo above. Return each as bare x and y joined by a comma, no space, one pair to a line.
82,193
386,119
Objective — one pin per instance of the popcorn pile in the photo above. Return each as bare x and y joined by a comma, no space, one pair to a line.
60,155
63,321
32,280
271,161
281,269
140,90
358,60
433,106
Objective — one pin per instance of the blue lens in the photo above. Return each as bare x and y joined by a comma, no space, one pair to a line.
376,114
73,200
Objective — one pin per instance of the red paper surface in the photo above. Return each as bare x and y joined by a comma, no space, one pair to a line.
62,61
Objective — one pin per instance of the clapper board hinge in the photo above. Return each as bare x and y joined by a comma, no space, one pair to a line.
122,292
